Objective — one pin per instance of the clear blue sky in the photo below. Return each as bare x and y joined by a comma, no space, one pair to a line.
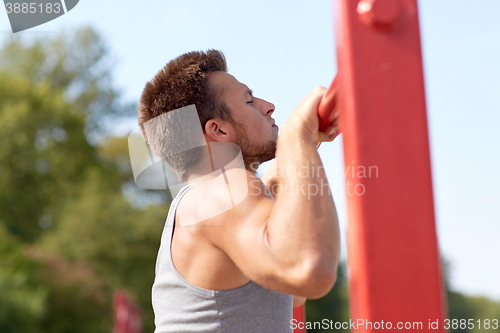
284,49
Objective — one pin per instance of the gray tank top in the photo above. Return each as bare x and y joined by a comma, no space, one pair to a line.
181,307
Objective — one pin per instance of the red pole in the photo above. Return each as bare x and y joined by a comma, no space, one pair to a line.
393,257
299,314
128,317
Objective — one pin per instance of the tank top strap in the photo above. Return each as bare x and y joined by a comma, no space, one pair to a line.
166,237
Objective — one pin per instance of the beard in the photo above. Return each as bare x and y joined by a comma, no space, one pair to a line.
255,154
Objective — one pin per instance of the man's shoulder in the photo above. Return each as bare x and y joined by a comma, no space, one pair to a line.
225,197
241,187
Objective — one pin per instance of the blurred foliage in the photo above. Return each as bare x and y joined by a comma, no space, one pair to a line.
468,307
69,237
43,153
77,63
121,243
71,229
78,300
22,295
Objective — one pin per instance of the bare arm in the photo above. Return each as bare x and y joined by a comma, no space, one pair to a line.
271,178
290,244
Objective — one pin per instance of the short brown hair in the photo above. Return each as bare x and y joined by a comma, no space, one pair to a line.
183,82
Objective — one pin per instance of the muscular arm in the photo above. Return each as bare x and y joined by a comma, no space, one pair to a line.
271,180
290,244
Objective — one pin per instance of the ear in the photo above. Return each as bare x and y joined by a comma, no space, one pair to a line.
218,130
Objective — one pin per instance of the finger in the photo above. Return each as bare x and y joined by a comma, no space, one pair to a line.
314,97
335,133
329,129
323,137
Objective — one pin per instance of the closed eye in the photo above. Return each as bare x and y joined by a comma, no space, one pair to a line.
249,102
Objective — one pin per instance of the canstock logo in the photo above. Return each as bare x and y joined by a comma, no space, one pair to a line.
174,144
31,13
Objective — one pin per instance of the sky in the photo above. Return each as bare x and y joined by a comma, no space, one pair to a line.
283,49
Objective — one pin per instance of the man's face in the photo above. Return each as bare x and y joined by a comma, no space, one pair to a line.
256,134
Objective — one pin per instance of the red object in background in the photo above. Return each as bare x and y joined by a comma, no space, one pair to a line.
299,314
395,274
128,318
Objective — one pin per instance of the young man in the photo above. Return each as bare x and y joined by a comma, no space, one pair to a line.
238,267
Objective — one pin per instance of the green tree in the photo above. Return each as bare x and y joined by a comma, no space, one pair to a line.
43,152
78,64
61,197
462,307
22,297
78,299
87,237
101,228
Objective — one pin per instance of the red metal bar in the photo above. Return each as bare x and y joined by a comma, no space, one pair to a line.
393,255
328,106
299,314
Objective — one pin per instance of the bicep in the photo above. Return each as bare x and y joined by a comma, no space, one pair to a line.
242,235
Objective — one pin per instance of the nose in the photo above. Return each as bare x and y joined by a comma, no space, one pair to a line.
267,108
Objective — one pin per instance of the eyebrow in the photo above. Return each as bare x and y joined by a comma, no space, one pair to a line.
250,91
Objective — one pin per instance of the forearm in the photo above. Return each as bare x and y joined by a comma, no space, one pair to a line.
270,178
303,226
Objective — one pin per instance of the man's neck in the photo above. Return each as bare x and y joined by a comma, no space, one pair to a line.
211,166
